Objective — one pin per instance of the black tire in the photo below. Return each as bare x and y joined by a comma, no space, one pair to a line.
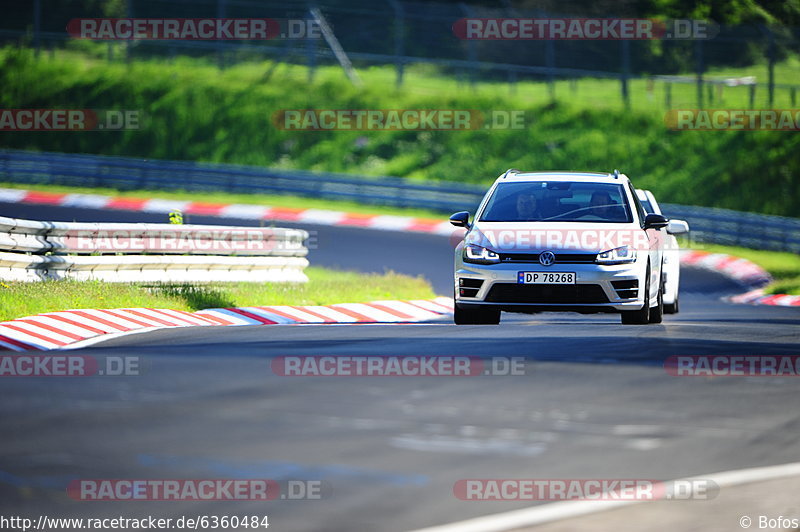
476,316
641,316
672,308
657,312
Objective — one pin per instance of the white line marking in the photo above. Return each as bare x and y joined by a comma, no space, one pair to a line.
558,511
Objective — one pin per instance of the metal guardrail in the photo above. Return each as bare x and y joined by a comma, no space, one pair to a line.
130,174
737,228
33,251
711,225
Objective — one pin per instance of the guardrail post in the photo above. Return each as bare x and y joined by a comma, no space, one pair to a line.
512,81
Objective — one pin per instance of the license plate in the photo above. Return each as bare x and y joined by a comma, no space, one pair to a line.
546,278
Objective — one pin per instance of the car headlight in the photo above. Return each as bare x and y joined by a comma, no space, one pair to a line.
480,255
621,255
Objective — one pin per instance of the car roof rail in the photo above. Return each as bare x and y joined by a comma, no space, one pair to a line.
510,171
616,173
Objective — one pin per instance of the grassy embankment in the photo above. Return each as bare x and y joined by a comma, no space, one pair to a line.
193,111
324,287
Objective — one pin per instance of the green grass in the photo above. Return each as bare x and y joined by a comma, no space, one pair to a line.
266,200
325,287
783,266
194,111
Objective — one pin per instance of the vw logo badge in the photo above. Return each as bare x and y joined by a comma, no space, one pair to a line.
546,258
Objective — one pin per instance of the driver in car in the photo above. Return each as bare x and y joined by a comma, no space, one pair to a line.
528,207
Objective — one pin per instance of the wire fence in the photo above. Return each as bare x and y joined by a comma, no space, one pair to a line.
402,34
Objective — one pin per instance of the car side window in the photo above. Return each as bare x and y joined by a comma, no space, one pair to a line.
638,205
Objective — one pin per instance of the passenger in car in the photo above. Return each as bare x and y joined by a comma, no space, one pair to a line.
604,206
528,207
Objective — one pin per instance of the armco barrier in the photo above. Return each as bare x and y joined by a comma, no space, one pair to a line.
123,173
711,225
31,251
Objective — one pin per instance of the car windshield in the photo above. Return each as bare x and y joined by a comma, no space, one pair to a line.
558,201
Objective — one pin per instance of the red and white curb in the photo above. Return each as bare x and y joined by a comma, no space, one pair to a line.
242,211
758,297
741,270
744,272
60,330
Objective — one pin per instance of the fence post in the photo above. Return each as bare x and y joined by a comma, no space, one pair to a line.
311,57
771,67
668,95
129,14
399,40
220,45
626,67
37,25
752,96
550,61
472,50
698,49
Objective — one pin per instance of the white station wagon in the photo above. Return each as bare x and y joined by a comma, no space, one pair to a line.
560,241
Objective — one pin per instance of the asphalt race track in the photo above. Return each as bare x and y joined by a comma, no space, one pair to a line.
595,402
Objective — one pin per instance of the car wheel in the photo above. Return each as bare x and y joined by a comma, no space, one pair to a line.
657,312
641,316
672,308
475,316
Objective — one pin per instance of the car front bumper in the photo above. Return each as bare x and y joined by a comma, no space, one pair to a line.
598,288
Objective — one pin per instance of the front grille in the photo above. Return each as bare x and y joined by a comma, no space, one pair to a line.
536,293
561,258
626,289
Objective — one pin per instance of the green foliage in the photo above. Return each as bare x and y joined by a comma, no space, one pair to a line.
193,111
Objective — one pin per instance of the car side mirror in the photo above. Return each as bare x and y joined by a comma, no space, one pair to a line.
655,221
460,219
677,227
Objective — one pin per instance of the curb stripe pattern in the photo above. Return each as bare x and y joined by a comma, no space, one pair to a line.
55,330
29,333
745,273
243,211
